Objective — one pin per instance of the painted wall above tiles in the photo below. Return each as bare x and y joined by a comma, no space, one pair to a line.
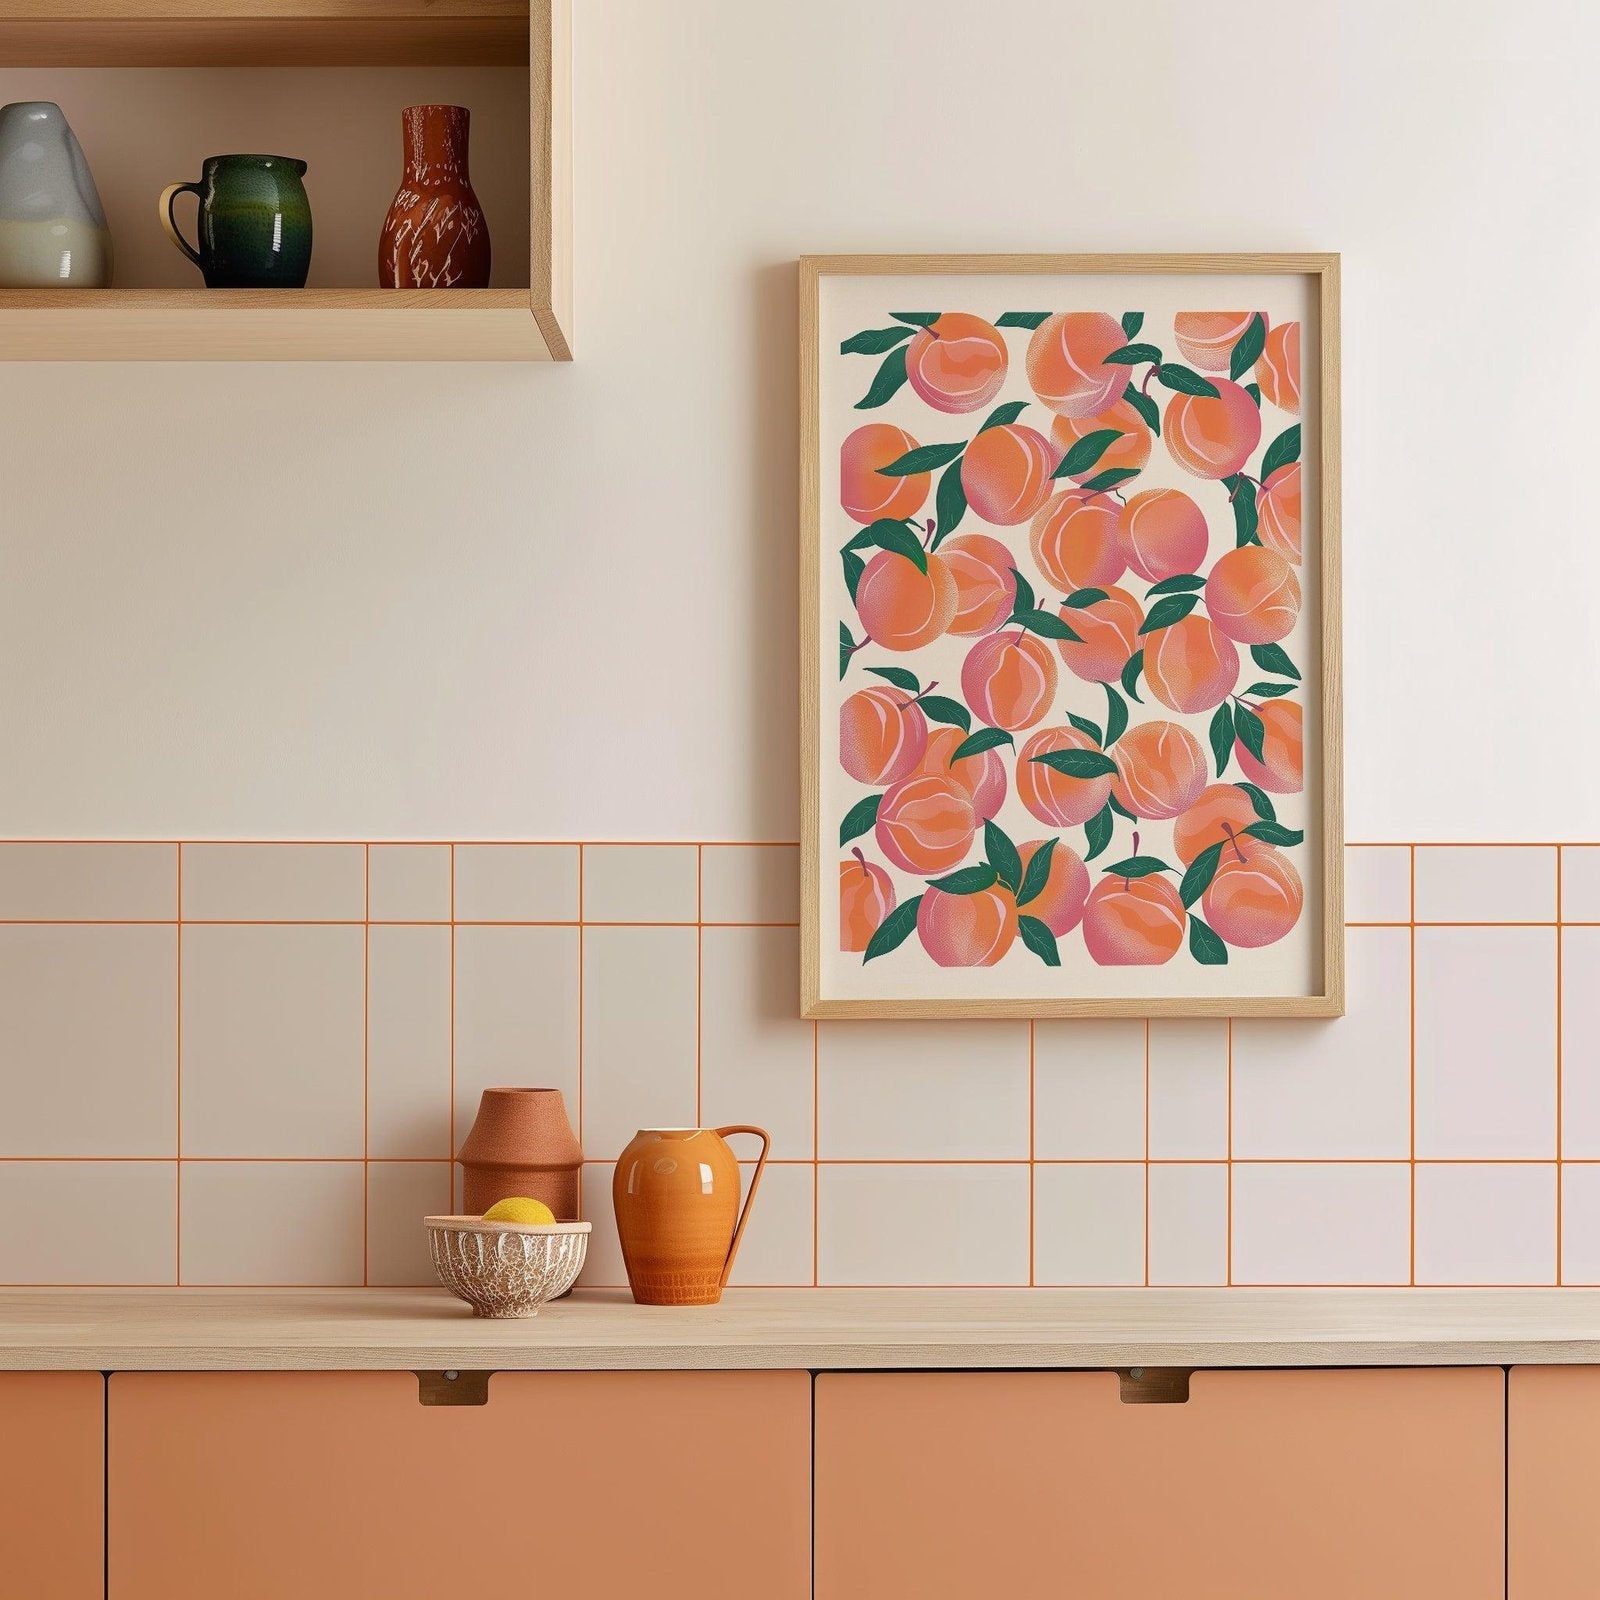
249,1064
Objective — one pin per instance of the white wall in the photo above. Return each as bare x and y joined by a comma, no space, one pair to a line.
457,601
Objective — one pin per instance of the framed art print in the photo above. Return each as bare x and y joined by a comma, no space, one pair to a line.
1070,636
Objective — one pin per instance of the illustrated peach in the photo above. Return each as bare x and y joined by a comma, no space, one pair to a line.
1067,362
1207,338
901,607
1255,896
925,824
967,930
1162,533
1108,631
1058,799
1074,540
1009,680
983,775
1221,807
866,897
1283,769
1253,595
1190,666
1212,436
1278,368
864,492
1131,452
1059,905
1278,512
986,591
1005,473
957,363
1160,770
882,735
1133,922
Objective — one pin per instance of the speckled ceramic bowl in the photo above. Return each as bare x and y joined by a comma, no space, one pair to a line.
506,1269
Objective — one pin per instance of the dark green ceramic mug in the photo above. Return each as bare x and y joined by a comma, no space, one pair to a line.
255,222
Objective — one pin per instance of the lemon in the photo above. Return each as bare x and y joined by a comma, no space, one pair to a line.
520,1209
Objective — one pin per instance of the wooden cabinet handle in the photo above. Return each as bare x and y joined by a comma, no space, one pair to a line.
453,1388
1154,1386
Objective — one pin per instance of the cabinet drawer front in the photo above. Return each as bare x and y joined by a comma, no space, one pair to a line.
1269,1485
52,1485
290,1486
1553,1455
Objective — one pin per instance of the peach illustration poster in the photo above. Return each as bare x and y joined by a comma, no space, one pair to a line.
1069,677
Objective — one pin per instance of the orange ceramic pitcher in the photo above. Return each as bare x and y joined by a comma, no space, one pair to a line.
676,1193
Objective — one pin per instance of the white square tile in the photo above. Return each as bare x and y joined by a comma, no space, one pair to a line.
104,882
1189,1224
1580,1043
274,882
639,1034
750,883
1307,1091
399,1195
89,1222
641,883
260,1223
1188,1090
1580,883
516,1015
930,1225
88,1041
776,1249
602,1263
1479,883
756,1054
1377,883
1486,1047
1483,1223
273,1032
1333,1223
516,882
408,1041
1088,1091
1088,1224
915,1091
408,882
1580,1223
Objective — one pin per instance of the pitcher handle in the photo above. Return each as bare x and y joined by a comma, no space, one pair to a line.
755,1182
169,222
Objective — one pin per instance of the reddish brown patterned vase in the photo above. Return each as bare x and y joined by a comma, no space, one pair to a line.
434,236
521,1144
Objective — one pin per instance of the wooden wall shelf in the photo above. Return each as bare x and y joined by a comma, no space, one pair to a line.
358,324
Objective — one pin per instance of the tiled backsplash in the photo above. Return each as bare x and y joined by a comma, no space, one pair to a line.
249,1064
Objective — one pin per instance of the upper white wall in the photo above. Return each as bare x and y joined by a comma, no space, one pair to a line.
459,601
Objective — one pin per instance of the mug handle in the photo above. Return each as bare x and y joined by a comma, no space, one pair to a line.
755,1182
169,222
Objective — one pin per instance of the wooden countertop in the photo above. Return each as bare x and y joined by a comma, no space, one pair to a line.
239,1329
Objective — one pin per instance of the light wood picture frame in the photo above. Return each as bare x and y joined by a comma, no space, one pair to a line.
1084,759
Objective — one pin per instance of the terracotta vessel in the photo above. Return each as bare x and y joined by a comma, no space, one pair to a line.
521,1144
676,1193
434,236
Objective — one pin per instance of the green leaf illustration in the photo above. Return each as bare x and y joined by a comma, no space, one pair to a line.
894,930
966,880
1136,867
1145,406
975,744
874,341
854,566
1021,319
847,645
917,319
1222,736
1274,658
1270,691
1179,583
865,538
1001,415
898,537
925,458
1174,608
1201,871
1086,452
1132,355
898,676
1116,716
1247,348
1003,857
1184,380
1025,598
940,709
1132,322
1109,479
885,383
1254,391
1084,725
1039,939
1098,830
1246,518
1078,763
950,503
1251,731
1130,676
1275,833
859,819
1079,598
1038,873
1120,809
1205,946
1046,626
1284,449
1260,800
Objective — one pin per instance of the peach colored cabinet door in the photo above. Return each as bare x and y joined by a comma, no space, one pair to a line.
1263,1486
1553,1455
304,1486
52,1485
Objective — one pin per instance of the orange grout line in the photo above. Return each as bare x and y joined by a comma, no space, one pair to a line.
1411,1050
366,1043
1229,1277
1033,1152
1147,1152
699,980
177,1175
1561,941
816,1151
582,943
453,1017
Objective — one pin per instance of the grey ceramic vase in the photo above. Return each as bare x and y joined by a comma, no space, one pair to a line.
53,232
